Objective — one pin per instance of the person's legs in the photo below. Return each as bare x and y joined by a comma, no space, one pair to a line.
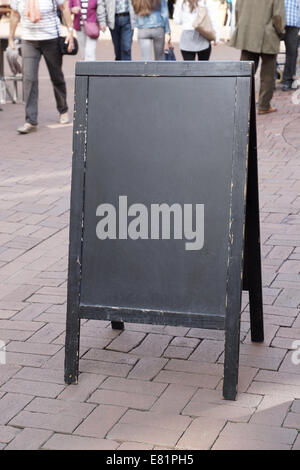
188,55
267,81
291,46
116,38
126,37
145,43
250,56
31,57
81,36
90,49
158,43
204,55
53,58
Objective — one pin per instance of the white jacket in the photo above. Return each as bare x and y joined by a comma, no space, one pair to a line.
182,15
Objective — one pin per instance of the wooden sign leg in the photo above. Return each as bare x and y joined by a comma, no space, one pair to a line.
76,224
252,254
72,348
245,178
232,349
117,325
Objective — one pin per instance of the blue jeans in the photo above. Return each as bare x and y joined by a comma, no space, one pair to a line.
122,37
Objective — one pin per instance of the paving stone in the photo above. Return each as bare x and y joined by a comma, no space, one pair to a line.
60,407
272,410
7,371
177,352
174,399
147,368
127,399
87,384
100,421
161,420
181,378
179,331
296,445
7,434
240,443
288,298
29,387
24,359
52,422
110,356
42,375
147,429
283,343
104,368
270,434
135,446
296,406
126,341
15,335
208,351
278,377
268,388
48,333
153,345
29,439
11,404
201,434
185,342
196,367
6,314
65,442
109,333
210,403
293,333
291,361
33,348
133,386
292,421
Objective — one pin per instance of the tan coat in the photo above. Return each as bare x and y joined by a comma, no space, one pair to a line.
259,26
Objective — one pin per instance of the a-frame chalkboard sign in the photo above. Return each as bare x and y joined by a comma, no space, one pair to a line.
164,224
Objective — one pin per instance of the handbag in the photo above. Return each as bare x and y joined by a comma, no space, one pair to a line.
91,29
203,24
63,46
169,54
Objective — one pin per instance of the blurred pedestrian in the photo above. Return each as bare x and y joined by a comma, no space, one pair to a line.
119,16
152,20
192,43
259,28
228,12
39,32
85,22
292,9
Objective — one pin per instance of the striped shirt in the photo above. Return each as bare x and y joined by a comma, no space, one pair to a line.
46,28
122,6
84,6
292,9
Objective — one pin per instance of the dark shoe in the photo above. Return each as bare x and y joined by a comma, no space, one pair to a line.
27,128
286,87
267,111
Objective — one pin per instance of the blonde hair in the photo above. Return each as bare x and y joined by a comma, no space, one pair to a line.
145,7
193,4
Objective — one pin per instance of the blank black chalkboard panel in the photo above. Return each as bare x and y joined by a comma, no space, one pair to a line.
141,144
175,134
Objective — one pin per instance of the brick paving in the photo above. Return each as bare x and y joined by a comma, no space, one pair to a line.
148,387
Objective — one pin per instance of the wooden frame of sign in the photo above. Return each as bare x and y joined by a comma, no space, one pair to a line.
95,282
